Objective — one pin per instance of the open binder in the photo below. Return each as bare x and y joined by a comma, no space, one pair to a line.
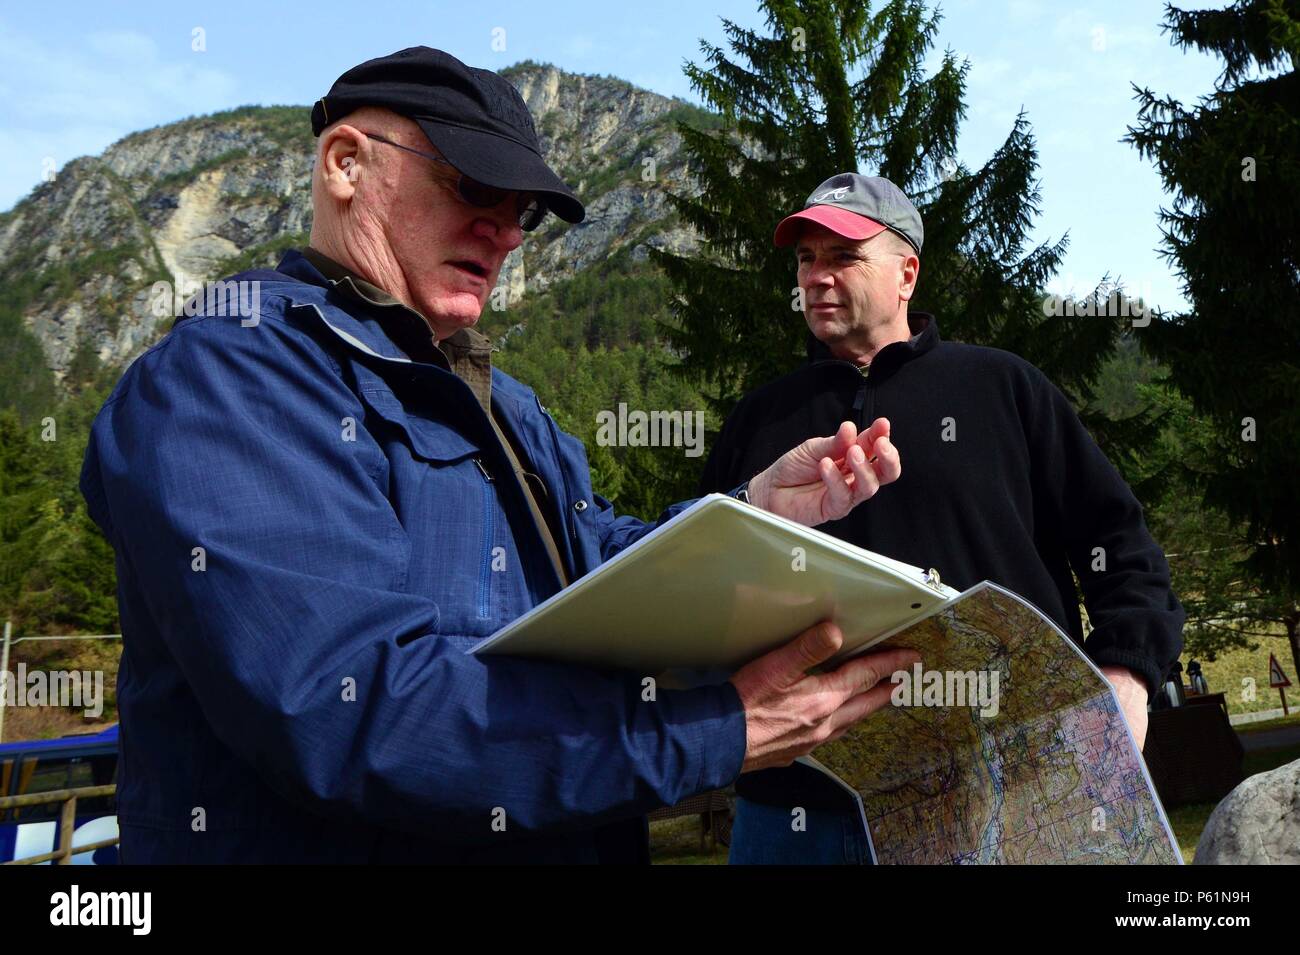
1046,772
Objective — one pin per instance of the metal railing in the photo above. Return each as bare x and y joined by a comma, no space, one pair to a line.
67,821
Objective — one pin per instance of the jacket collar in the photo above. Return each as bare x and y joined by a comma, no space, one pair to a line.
925,336
383,325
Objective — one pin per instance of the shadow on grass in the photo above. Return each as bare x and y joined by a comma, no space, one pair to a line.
677,842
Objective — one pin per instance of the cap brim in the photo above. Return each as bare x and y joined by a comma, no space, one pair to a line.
496,161
840,221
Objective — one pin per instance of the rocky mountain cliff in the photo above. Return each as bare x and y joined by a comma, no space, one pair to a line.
198,199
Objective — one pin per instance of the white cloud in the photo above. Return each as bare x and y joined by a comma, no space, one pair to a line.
75,98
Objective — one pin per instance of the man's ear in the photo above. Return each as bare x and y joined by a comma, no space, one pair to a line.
340,161
909,272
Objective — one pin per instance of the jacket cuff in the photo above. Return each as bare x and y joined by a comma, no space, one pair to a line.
715,717
1140,664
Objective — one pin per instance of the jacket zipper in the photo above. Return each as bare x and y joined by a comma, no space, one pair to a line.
489,533
566,506
865,401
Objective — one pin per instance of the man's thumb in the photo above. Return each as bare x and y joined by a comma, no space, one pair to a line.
815,646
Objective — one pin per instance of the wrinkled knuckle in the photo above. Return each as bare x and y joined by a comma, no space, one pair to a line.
811,714
828,707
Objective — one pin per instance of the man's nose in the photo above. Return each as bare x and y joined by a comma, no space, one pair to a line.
819,274
500,226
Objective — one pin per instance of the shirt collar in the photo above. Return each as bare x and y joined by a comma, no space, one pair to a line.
408,329
924,336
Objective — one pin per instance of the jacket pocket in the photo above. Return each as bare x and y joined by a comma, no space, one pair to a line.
428,440
448,505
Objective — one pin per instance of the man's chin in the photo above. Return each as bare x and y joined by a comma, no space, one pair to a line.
455,311
827,329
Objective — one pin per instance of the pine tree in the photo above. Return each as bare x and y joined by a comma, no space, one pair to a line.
22,491
834,86
56,569
1232,162
71,585
1226,608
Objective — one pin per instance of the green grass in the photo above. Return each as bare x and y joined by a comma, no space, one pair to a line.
691,115
266,255
1244,729
677,842
287,126
1226,674
1188,822
183,177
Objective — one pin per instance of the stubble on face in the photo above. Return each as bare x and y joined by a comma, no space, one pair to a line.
850,287
450,253
407,229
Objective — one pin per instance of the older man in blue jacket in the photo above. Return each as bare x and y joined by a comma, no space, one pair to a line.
320,493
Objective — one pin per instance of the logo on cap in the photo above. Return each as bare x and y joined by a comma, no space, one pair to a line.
835,195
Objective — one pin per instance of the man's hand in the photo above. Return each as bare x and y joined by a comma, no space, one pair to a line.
824,478
1132,692
789,712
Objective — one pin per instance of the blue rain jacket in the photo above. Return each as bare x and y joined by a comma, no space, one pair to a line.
305,523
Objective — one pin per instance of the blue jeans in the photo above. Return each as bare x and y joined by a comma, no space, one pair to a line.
763,835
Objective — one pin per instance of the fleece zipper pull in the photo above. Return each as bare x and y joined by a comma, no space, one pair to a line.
860,400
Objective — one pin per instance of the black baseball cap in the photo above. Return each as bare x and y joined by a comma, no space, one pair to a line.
474,117
856,207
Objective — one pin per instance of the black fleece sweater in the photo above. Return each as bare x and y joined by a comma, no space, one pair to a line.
1000,482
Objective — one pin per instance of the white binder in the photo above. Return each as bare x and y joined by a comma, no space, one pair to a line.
717,586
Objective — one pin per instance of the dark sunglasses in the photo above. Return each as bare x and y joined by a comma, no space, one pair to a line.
531,209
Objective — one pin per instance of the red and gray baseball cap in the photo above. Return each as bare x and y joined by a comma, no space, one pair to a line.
856,207
476,119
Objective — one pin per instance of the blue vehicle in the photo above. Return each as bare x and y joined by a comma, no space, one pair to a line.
72,762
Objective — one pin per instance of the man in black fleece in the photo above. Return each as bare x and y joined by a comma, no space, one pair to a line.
1002,482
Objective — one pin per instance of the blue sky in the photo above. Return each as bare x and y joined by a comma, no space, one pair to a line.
76,76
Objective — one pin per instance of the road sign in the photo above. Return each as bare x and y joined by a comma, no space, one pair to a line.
1278,680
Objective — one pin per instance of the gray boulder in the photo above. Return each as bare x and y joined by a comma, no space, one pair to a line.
1257,823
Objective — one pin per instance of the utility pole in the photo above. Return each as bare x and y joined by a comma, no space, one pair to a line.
4,677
